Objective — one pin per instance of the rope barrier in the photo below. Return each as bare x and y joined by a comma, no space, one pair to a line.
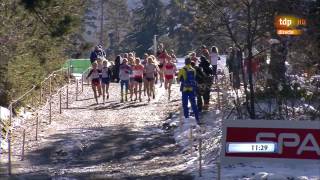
48,102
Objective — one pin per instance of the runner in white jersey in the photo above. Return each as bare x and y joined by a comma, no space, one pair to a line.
214,57
150,70
124,72
105,79
94,74
131,63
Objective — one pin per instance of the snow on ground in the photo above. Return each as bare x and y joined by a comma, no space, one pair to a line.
271,171
4,117
210,133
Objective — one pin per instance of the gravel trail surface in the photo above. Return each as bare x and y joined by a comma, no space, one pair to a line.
105,141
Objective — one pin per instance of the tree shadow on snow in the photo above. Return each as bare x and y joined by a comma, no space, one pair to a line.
107,146
134,105
109,106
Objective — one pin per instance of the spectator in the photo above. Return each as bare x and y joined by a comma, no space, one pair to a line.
194,57
200,79
97,53
116,69
208,76
205,52
214,57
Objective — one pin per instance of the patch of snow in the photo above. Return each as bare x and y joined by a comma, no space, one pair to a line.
210,133
4,113
255,170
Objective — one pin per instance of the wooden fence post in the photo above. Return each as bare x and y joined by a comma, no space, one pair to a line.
68,73
60,108
67,96
200,157
9,153
23,143
10,108
50,85
37,126
40,93
81,82
62,75
50,110
32,101
77,89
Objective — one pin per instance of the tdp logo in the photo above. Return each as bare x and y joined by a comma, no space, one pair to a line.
285,22
289,25
289,22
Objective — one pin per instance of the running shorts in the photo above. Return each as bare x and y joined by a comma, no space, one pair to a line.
95,82
105,80
168,77
149,79
138,79
124,83
131,79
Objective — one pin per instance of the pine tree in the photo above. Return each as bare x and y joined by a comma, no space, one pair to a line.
180,23
148,21
33,38
117,23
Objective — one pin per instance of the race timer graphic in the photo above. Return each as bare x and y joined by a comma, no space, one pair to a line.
251,147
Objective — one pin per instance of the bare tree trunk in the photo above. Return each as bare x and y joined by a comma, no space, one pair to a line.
252,96
277,70
245,85
249,47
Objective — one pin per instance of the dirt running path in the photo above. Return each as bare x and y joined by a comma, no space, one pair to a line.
111,141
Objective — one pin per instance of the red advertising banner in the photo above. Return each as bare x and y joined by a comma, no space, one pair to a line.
295,140
292,143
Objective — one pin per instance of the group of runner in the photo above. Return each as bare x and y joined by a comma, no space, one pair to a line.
137,76
134,73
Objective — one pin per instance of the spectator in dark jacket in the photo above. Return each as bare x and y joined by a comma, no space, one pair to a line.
98,52
201,84
234,65
206,66
208,75
116,68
